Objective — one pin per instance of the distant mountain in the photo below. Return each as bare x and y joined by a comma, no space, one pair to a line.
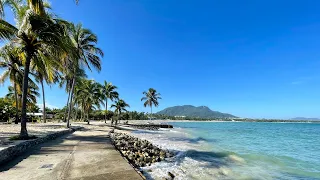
192,111
305,119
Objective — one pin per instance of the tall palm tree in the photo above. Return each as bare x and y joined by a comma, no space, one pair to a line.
151,98
109,92
37,36
88,92
120,106
66,80
84,44
12,65
45,69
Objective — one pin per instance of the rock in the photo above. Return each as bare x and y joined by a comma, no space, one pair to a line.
139,152
171,175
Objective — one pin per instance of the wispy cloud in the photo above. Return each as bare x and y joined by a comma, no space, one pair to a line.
47,105
303,80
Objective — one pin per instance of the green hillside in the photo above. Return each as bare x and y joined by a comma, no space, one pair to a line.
192,111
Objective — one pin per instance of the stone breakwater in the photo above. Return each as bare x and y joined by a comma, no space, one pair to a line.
150,126
138,152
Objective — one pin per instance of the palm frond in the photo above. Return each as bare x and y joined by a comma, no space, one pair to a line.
7,31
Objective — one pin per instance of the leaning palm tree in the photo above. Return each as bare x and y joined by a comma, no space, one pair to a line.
84,44
119,106
109,92
151,98
12,65
37,36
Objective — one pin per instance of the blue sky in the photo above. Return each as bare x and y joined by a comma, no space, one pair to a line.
248,58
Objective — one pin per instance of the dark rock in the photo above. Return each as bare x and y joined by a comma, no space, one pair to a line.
139,152
171,175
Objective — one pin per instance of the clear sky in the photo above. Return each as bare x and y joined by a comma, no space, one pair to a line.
248,58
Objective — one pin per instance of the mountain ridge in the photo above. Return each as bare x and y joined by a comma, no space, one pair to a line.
193,111
305,119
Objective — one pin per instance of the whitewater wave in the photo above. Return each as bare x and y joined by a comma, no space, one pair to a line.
194,157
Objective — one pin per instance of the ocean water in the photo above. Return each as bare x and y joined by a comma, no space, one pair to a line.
238,150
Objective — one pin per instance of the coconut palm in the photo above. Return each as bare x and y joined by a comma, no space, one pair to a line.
45,70
84,44
109,92
38,36
88,94
10,62
31,97
120,106
151,98
66,80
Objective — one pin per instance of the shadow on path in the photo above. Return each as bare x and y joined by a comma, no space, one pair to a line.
57,145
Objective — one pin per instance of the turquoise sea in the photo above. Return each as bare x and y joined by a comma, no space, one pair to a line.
238,150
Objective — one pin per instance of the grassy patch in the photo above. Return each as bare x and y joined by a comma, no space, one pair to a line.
17,137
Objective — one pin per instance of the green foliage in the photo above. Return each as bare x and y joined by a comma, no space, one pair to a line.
120,106
7,110
100,114
151,98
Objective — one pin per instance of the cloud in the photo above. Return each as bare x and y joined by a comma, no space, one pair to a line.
302,80
47,105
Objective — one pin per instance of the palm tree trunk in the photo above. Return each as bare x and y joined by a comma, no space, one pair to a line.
70,103
17,106
66,111
88,117
76,113
23,131
44,102
81,112
118,118
105,114
151,112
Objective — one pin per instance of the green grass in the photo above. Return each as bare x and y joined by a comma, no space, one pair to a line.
17,137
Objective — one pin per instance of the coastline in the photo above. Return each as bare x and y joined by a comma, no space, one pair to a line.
216,121
231,150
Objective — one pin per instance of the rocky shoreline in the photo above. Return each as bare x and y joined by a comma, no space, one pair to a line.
138,152
150,126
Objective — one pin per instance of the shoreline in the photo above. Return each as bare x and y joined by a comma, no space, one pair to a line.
141,166
215,121
198,156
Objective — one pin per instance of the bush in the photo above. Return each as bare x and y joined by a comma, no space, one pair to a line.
7,111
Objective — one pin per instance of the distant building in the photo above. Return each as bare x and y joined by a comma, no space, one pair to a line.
179,116
40,114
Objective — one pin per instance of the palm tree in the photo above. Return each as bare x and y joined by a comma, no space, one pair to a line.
10,62
66,80
31,97
109,92
45,69
84,44
151,98
37,36
88,94
119,106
